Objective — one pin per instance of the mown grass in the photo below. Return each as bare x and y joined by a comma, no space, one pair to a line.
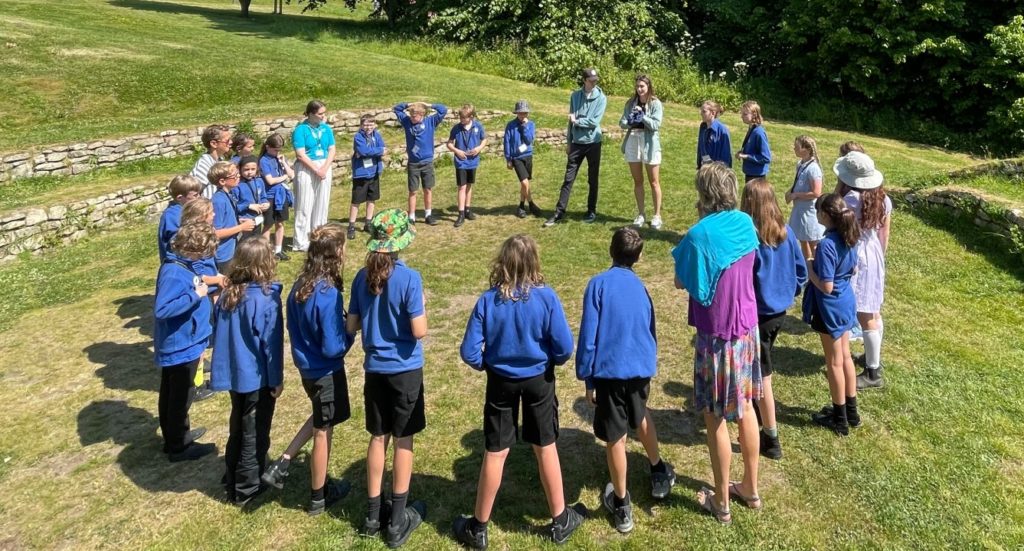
1002,188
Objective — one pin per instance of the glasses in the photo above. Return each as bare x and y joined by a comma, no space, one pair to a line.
235,176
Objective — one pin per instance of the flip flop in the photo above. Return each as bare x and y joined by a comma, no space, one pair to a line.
705,497
751,502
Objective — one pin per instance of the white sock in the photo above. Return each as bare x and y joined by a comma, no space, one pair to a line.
426,212
872,348
277,249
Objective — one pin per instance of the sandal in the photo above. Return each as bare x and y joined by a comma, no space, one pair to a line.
706,499
751,502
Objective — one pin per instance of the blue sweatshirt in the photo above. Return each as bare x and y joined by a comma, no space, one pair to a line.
170,221
388,343
714,141
518,139
280,197
249,192
779,274
367,155
182,318
589,111
755,144
225,215
248,342
465,140
317,331
617,333
419,138
517,339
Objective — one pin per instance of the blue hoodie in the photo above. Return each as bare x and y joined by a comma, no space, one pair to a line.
517,339
618,339
518,139
248,342
170,221
367,155
779,274
317,331
182,318
419,138
755,144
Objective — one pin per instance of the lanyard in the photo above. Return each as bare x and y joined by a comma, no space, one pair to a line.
799,172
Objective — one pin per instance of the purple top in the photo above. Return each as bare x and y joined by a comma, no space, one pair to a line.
733,310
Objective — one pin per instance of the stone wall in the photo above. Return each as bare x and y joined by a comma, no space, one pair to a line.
970,205
1005,167
76,158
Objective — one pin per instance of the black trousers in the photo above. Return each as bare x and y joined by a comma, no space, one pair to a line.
249,441
176,393
577,153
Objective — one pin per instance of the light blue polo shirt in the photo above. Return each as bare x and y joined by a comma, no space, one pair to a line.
388,343
316,141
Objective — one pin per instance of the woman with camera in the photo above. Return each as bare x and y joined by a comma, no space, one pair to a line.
641,120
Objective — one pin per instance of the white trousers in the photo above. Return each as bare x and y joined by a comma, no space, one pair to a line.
312,199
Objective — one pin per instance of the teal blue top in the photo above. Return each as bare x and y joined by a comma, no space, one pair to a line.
652,123
712,245
315,141
589,111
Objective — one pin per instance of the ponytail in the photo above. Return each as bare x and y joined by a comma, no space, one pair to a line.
840,217
379,266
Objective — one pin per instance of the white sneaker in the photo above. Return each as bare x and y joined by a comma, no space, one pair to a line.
638,221
656,222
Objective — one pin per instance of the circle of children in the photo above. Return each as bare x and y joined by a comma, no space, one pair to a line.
742,264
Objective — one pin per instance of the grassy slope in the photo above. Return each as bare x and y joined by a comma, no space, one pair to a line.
938,463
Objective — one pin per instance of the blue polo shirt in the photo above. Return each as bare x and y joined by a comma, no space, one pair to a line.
466,139
388,343
225,215
317,331
170,221
316,141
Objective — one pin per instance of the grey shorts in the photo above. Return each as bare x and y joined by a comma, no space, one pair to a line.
421,174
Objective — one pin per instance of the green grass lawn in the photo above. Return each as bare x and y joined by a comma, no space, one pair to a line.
938,463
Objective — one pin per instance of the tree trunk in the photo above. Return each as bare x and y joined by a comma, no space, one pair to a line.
245,7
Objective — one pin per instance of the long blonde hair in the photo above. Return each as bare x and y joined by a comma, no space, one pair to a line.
516,268
760,203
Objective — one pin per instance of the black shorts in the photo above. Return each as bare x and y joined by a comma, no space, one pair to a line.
329,397
502,403
768,328
394,403
365,189
420,174
523,168
621,405
279,216
817,323
465,176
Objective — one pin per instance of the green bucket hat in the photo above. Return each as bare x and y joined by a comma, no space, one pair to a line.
391,231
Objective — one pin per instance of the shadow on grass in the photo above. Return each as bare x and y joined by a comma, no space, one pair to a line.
141,458
797,362
128,366
994,247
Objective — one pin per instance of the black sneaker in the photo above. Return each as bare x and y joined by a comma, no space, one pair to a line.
464,534
351,234
870,378
470,215
372,528
192,452
430,219
826,418
396,536
334,491
520,212
770,447
622,516
202,393
860,360
367,228
195,434
590,218
576,514
281,256
275,474
535,210
460,220
661,483
552,221
248,500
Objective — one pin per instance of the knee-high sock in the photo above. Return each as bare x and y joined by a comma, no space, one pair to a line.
872,348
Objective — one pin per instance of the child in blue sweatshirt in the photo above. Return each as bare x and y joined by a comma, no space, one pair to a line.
755,153
248,359
780,272
388,306
276,171
518,148
225,177
182,189
316,325
367,166
419,145
466,141
518,333
181,331
251,194
616,357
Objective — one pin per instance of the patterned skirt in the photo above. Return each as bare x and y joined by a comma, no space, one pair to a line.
726,374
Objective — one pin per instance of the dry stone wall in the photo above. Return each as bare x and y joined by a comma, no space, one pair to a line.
962,203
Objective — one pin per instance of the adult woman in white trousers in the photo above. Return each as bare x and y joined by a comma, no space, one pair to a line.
313,140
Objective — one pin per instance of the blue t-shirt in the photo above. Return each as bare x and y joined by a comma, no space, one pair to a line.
315,141
170,221
317,331
270,166
833,261
225,215
465,140
388,343
517,339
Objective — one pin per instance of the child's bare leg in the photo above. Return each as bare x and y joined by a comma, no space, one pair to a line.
353,213
524,191
490,482
279,235
616,455
469,196
551,477
428,198
720,450
301,437
653,174
750,447
766,404
647,434
369,210
462,198
403,465
318,461
849,371
412,204
835,369
376,457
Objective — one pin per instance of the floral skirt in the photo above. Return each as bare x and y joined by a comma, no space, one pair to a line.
726,374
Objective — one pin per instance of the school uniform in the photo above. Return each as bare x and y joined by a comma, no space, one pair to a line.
180,333
319,343
755,144
518,343
714,144
250,192
466,139
419,145
517,144
278,194
225,215
248,360
780,273
617,352
170,221
832,313
367,166
312,194
393,357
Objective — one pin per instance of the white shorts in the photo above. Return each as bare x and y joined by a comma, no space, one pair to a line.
635,150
